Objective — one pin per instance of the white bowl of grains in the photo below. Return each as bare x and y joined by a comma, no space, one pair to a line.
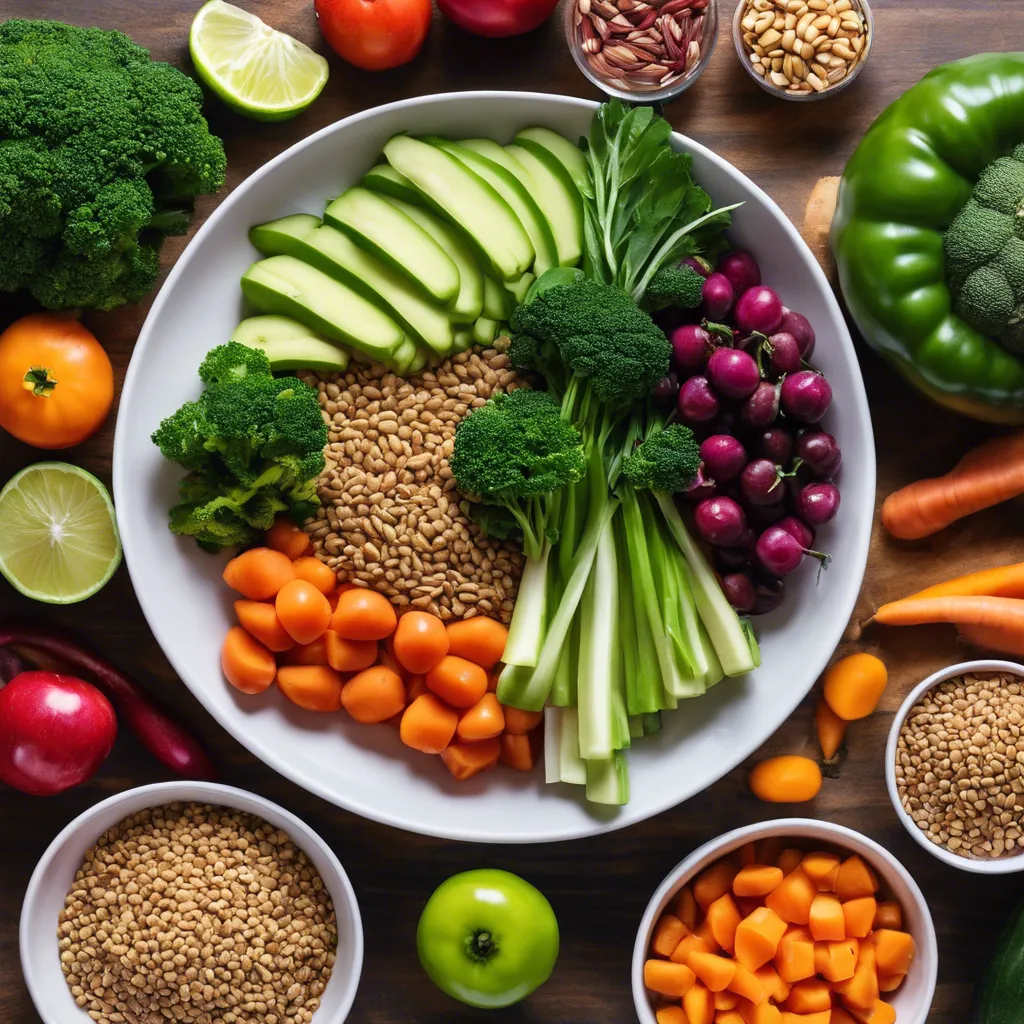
201,899
954,765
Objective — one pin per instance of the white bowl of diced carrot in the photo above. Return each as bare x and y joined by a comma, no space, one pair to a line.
793,921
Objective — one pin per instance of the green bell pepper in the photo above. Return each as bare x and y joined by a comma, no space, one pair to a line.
913,173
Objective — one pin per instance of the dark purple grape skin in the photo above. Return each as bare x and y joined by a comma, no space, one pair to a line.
732,559
720,521
817,503
762,408
666,391
785,353
806,396
800,327
733,372
723,456
798,529
760,483
768,515
769,595
741,270
691,346
758,309
739,591
718,296
776,443
697,401
820,453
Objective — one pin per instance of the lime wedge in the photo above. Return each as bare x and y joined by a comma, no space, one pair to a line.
253,68
58,535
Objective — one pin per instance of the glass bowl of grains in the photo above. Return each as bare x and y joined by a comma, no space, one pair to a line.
642,52
197,899
954,766
803,50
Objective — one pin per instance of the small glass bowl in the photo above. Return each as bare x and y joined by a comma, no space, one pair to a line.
861,6
632,92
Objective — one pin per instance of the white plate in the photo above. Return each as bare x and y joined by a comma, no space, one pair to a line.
366,769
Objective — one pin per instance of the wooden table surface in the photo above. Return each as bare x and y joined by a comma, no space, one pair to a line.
599,887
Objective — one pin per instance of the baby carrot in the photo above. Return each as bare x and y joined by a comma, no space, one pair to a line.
428,724
248,665
459,682
520,722
479,639
518,752
364,614
420,641
303,611
313,687
830,727
286,537
991,473
464,759
348,655
260,619
258,573
312,570
483,720
373,695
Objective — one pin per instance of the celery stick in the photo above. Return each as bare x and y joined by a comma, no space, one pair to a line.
608,781
636,726
552,743
571,767
526,631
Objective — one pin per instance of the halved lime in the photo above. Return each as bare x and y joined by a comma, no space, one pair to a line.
252,67
58,534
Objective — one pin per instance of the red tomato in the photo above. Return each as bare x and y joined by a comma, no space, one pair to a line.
375,34
498,18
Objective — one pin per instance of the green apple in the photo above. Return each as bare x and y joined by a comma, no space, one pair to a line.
487,938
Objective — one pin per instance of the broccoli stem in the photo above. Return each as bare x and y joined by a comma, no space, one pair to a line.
526,630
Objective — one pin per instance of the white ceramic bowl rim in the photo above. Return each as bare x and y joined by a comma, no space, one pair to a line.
346,906
559,817
926,958
997,866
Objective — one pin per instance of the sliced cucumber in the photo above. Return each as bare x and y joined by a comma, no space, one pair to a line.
468,200
485,330
290,345
498,303
379,226
567,153
404,357
386,180
557,195
519,289
463,340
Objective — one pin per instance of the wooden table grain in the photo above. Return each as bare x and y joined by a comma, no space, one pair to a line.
599,887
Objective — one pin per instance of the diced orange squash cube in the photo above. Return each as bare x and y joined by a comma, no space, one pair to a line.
890,982
746,905
789,860
668,979
757,938
763,1013
858,916
880,1013
888,914
774,987
795,957
746,855
723,918
836,961
840,1016
687,945
810,996
686,908
713,882
668,933
826,918
698,1005
792,899
670,1015
822,1017
860,991
894,951
821,869
746,984
728,1017
725,1000
768,849
705,932
866,955
713,970
757,880
855,879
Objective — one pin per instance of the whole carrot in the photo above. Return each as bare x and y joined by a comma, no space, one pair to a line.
999,581
1005,613
995,638
987,475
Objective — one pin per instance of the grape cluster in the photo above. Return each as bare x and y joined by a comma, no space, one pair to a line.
741,380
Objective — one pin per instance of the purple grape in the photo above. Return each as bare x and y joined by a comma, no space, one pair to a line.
760,483
741,269
817,503
700,265
739,591
666,391
776,443
769,595
724,457
785,353
806,396
697,401
798,529
758,309
820,452
732,558
766,515
718,296
720,521
732,372
800,327
691,346
762,407
780,553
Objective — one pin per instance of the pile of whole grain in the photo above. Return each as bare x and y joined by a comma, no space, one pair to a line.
391,516
197,914
960,765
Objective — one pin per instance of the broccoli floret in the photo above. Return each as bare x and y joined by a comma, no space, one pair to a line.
680,286
984,250
254,446
102,153
599,333
666,461
516,452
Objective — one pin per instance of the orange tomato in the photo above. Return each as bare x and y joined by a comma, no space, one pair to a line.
303,611
56,382
375,34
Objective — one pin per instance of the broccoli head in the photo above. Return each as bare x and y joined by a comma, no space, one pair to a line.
984,249
666,461
516,452
254,447
598,332
679,286
102,153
